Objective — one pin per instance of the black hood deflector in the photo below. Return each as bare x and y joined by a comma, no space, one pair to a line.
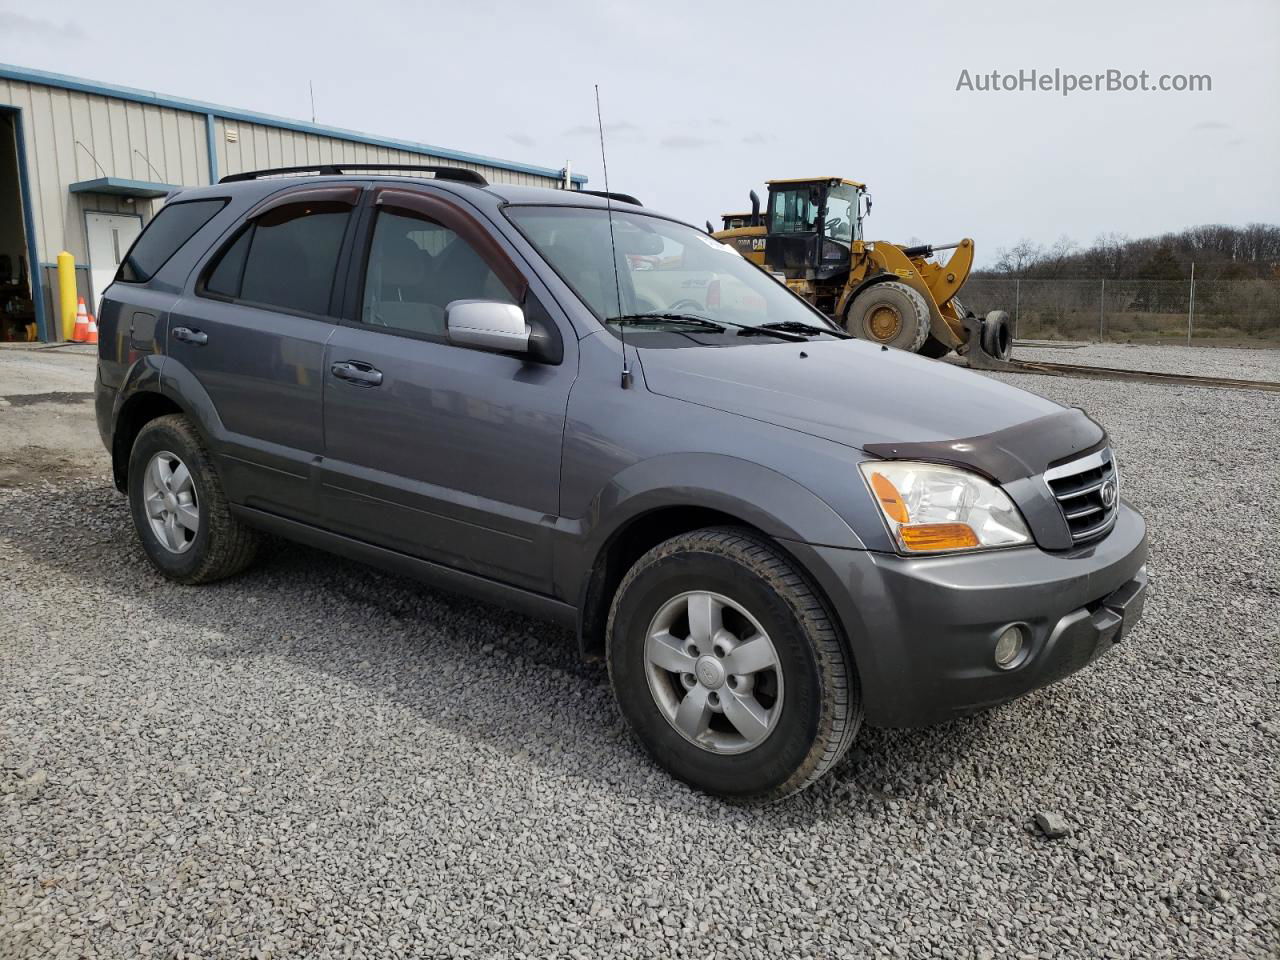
1023,450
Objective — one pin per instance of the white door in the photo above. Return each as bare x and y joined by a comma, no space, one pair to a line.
110,235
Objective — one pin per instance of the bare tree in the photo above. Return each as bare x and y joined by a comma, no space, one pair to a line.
1016,260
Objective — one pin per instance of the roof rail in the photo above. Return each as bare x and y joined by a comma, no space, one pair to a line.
460,174
620,197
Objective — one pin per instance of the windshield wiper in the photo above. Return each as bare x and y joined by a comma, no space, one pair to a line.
792,330
684,319
795,326
781,331
748,330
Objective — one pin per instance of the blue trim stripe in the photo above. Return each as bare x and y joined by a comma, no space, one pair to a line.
45,78
211,141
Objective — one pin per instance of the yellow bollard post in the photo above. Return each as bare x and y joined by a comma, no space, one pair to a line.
67,294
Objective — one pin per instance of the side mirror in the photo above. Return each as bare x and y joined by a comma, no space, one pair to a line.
487,325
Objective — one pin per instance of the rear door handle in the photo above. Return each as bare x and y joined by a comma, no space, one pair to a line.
187,335
353,371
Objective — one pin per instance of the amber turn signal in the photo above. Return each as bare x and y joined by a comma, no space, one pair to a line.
890,500
938,536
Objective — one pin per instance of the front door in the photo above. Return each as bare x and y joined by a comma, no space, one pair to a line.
439,451
110,237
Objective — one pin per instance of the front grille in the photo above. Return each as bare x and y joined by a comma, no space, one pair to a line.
1088,492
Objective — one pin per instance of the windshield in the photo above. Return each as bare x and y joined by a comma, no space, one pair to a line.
662,268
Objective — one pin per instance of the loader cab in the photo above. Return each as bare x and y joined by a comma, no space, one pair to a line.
812,225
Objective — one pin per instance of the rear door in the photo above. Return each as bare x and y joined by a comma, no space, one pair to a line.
442,452
248,342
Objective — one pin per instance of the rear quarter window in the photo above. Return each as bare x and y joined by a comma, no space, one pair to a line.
174,225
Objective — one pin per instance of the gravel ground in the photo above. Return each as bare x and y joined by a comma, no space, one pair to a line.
43,398
319,760
1239,363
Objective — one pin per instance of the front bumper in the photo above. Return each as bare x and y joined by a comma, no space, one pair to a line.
923,629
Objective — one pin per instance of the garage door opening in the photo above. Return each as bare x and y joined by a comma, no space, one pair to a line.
19,290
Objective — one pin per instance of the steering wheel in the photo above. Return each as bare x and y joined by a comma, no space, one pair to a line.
686,304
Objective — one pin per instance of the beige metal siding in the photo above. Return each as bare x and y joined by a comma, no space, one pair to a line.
61,129
142,141
259,147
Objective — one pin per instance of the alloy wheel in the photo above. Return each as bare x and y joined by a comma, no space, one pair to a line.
169,497
713,672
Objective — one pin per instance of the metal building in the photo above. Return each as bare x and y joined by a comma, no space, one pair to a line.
83,165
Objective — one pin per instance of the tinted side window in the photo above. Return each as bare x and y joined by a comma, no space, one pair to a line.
416,268
226,275
174,225
286,258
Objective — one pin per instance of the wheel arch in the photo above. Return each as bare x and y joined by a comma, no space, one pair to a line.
136,411
625,545
648,517
154,390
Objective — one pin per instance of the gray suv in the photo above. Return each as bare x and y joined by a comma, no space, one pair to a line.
574,406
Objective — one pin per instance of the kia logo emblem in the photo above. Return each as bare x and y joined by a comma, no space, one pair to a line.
1108,493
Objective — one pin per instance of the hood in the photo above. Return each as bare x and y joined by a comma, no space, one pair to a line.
849,391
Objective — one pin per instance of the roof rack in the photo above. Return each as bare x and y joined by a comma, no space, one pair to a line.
620,197
459,174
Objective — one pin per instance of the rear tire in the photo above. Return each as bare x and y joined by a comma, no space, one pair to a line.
997,336
179,510
890,313
800,687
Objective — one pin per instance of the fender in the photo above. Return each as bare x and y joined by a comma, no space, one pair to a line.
183,387
142,377
847,297
717,482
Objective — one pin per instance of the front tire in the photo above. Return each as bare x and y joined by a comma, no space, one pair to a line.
890,313
728,668
179,510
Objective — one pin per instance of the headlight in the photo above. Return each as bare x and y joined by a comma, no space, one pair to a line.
930,508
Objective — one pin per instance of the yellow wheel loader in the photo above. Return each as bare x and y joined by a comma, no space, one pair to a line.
810,236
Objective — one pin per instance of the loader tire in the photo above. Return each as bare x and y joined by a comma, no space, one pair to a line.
934,349
890,313
997,338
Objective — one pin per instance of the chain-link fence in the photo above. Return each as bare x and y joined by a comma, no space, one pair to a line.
1224,311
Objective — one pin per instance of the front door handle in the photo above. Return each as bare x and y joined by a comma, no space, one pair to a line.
187,335
353,371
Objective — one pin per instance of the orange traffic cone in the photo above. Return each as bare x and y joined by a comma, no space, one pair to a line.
92,335
81,332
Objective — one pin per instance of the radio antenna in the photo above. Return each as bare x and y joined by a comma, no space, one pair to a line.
613,247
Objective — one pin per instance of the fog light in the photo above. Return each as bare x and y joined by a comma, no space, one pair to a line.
1009,646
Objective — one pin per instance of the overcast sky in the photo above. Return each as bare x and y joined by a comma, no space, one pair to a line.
703,101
